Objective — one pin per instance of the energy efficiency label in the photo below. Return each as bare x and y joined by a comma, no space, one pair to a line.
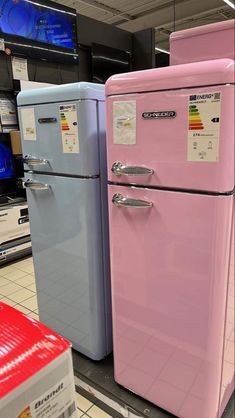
204,127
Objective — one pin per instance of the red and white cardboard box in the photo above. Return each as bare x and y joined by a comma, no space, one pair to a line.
36,371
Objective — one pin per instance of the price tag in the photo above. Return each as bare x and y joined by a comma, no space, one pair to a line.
2,44
20,68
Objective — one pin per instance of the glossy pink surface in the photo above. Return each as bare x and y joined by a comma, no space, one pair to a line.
227,384
169,269
194,74
203,43
161,144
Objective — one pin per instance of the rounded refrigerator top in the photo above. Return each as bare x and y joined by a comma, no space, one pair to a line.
200,30
208,42
63,92
206,73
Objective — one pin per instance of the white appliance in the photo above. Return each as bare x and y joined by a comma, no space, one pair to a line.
14,231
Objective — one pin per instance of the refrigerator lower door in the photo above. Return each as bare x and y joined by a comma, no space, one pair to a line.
169,269
65,222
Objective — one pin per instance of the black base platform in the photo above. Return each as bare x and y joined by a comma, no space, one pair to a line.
96,381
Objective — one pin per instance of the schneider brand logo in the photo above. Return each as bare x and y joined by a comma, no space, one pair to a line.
159,115
49,396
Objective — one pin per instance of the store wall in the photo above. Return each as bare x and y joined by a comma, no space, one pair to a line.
41,71
6,78
143,49
140,45
162,59
91,30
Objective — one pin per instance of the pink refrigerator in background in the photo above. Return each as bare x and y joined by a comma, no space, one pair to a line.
171,181
207,42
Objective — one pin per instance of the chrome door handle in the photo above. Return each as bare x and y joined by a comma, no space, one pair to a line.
33,185
34,161
119,169
119,200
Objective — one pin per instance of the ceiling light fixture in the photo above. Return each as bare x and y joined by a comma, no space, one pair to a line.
162,50
230,3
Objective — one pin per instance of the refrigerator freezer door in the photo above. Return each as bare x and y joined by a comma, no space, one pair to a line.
163,139
65,139
169,271
65,222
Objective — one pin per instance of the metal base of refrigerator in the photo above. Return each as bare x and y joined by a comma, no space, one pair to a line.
95,380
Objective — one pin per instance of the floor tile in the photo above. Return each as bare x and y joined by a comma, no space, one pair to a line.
96,412
25,281
36,311
8,301
22,309
27,268
14,275
82,402
3,281
21,295
32,287
9,288
33,315
79,413
30,303
7,269
22,263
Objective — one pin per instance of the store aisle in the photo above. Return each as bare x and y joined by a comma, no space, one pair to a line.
18,289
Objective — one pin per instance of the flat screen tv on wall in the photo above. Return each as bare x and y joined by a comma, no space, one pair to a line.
6,158
40,29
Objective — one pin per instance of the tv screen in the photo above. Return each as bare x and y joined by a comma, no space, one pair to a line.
6,158
42,23
107,61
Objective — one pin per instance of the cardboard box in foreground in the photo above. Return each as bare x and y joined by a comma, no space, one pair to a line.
36,372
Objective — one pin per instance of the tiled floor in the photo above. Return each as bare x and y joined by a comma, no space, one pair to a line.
17,288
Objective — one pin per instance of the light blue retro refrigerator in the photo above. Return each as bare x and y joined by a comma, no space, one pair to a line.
63,140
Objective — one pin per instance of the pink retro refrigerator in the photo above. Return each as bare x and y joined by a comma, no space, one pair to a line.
171,182
207,42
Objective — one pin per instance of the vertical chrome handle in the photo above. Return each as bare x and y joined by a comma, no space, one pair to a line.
119,169
33,185
34,161
119,200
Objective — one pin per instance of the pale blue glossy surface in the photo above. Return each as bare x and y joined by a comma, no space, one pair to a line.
68,256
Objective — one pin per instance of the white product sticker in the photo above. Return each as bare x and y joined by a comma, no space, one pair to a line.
8,112
57,402
204,127
124,122
69,128
19,68
2,44
28,124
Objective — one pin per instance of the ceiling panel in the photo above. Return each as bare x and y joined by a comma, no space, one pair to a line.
135,15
